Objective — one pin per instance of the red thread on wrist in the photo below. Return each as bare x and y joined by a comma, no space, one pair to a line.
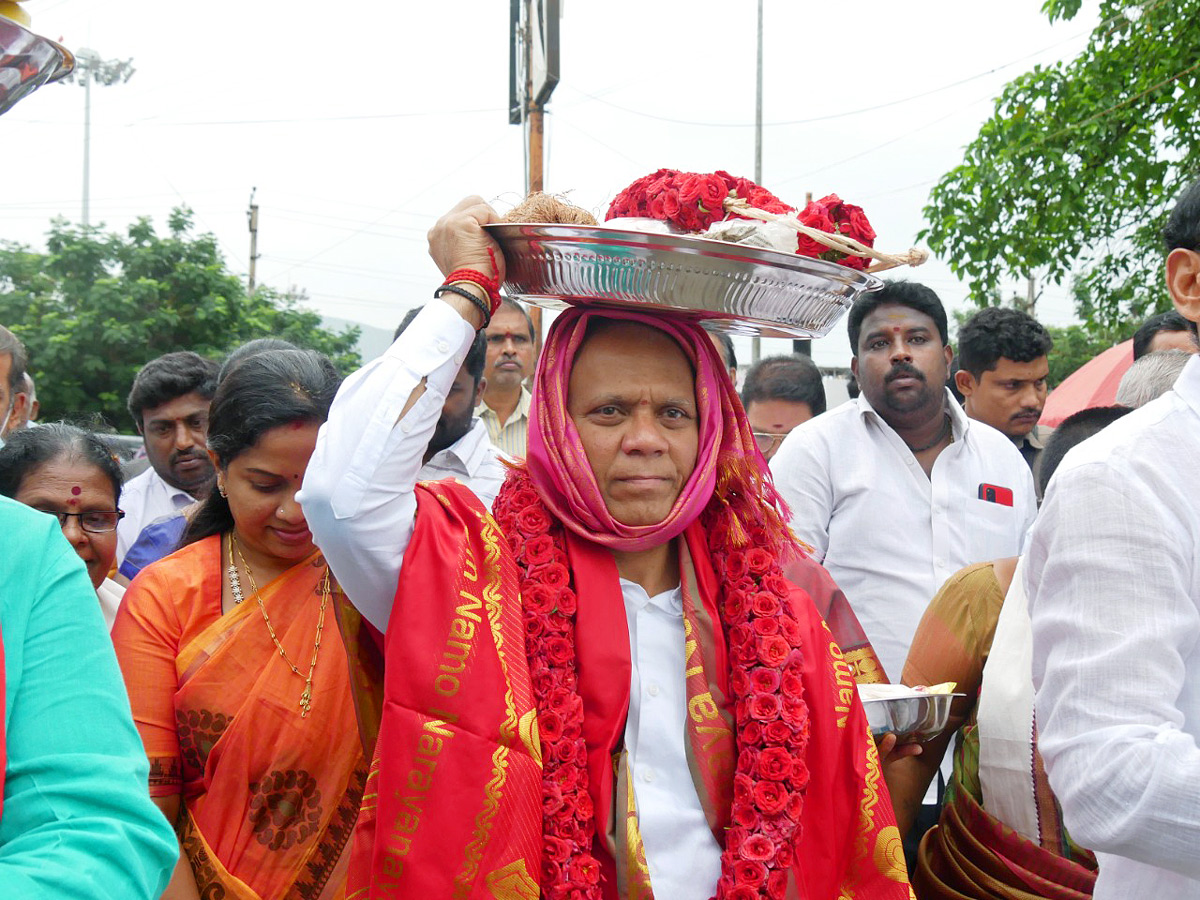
490,284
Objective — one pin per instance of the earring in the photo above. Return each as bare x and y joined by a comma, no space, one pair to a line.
221,489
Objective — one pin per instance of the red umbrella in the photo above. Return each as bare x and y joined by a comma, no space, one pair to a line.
1092,384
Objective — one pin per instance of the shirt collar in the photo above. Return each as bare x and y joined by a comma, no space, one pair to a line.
470,450
1033,439
1187,386
670,602
960,423
521,412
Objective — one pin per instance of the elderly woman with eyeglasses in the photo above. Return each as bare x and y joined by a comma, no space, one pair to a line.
71,474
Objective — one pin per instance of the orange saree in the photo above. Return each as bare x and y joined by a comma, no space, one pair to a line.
269,798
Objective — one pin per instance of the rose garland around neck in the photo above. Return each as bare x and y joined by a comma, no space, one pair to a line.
770,714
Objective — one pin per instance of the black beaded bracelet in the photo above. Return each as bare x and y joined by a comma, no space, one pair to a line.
470,295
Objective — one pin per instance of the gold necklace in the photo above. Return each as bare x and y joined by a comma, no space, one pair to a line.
235,588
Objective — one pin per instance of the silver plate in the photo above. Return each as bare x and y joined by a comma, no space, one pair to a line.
747,290
910,718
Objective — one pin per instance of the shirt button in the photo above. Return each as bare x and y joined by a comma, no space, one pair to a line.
459,359
652,690
940,563
648,776
406,427
443,347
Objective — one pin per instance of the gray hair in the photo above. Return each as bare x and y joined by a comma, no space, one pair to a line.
1151,376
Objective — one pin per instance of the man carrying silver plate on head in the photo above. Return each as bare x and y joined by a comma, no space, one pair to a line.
605,687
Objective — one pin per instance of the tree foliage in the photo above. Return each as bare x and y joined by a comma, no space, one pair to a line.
97,306
1073,173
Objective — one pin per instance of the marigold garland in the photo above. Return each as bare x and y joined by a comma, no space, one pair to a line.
771,717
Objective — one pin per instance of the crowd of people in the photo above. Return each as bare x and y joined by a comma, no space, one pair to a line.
497,617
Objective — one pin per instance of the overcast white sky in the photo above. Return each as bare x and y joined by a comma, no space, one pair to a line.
360,123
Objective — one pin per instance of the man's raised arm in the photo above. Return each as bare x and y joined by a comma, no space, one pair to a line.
358,489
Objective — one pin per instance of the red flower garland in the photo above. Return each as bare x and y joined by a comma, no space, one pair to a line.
692,202
771,717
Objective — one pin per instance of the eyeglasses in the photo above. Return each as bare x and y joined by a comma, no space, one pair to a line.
766,441
92,522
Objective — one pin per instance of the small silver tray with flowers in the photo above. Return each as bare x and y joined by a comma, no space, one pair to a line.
912,714
737,287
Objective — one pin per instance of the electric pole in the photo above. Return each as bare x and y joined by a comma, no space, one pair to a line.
252,216
756,341
90,67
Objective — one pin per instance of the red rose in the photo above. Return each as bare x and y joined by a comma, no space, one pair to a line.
584,870
655,208
795,806
552,798
789,629
689,189
540,678
581,756
770,797
689,219
773,650
766,604
766,626
671,206
539,599
744,814
735,565
859,228
778,732
734,838
713,192
555,575
752,733
584,807
757,848
776,584
794,712
535,627
523,497
764,707
799,779
743,789
739,680
539,550
764,681
735,605
533,520
550,724
749,872
559,651
564,751
742,892
551,871
556,849
731,182
775,764
758,560
747,762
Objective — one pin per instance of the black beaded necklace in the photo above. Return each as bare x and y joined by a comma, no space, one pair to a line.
937,440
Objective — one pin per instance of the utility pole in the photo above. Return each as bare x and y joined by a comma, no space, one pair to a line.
1031,296
756,342
252,216
90,67
532,77
803,346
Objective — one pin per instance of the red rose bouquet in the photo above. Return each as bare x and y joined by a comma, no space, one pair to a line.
690,202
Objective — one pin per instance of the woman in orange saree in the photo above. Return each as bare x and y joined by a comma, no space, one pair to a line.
238,681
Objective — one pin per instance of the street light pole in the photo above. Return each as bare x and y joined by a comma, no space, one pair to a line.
90,67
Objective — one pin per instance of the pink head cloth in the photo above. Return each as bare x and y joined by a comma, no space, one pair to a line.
729,462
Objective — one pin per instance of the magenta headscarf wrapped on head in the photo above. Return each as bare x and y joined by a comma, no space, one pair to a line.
729,464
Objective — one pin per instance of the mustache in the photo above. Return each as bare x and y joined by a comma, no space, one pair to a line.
185,456
1028,411
902,369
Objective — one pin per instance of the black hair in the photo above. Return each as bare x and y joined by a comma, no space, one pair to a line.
476,356
1075,429
727,350
11,345
795,379
952,384
998,333
509,303
27,450
264,391
1182,231
171,375
900,293
1164,321
250,348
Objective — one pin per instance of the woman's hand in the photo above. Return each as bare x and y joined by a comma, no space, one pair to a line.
457,240
890,749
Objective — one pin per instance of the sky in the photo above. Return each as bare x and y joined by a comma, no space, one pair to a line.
357,125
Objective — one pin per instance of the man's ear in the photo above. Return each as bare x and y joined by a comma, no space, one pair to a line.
965,382
854,367
1183,282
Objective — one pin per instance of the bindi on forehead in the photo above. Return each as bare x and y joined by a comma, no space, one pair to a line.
77,490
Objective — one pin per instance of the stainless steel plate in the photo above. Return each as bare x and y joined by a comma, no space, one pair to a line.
747,290
28,61
911,718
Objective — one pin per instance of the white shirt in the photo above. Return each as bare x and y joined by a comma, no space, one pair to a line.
889,535
1114,592
358,501
145,499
